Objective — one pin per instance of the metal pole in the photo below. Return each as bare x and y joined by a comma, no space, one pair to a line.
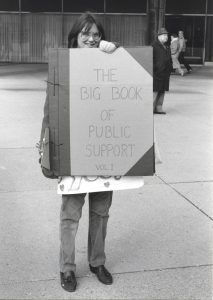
205,30
20,31
62,15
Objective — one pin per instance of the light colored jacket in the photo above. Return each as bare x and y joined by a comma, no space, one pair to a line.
174,46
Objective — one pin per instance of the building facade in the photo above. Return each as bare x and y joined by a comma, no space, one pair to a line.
28,28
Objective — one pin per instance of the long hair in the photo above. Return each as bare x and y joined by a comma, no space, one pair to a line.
86,19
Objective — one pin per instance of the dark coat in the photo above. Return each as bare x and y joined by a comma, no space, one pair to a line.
162,67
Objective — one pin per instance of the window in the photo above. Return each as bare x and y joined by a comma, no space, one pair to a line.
210,7
127,6
83,5
41,5
9,5
186,6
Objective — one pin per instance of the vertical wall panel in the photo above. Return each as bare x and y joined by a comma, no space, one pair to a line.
39,32
128,30
27,37
10,49
209,39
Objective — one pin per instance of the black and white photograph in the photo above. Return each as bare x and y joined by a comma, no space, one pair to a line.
106,149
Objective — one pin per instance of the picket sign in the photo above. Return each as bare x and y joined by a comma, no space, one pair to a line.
101,113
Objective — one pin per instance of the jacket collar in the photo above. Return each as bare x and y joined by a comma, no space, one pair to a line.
161,44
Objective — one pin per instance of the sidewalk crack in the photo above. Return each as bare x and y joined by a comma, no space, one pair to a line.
114,273
165,269
187,199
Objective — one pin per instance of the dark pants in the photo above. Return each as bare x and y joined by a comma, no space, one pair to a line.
71,210
158,98
183,61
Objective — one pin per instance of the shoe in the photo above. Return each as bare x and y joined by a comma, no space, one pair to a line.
160,112
189,71
102,274
68,281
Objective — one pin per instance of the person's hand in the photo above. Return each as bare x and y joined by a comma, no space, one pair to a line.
108,47
40,152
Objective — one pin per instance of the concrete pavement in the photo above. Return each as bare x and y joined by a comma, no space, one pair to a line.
159,242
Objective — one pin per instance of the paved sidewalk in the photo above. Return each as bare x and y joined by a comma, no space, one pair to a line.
160,237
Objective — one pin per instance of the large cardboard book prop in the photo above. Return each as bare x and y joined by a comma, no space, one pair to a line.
101,112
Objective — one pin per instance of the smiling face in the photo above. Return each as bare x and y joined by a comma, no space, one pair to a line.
89,38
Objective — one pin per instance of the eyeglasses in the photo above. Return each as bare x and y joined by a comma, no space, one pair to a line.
85,35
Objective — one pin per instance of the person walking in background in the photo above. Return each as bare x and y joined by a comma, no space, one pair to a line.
162,67
174,46
182,50
87,32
